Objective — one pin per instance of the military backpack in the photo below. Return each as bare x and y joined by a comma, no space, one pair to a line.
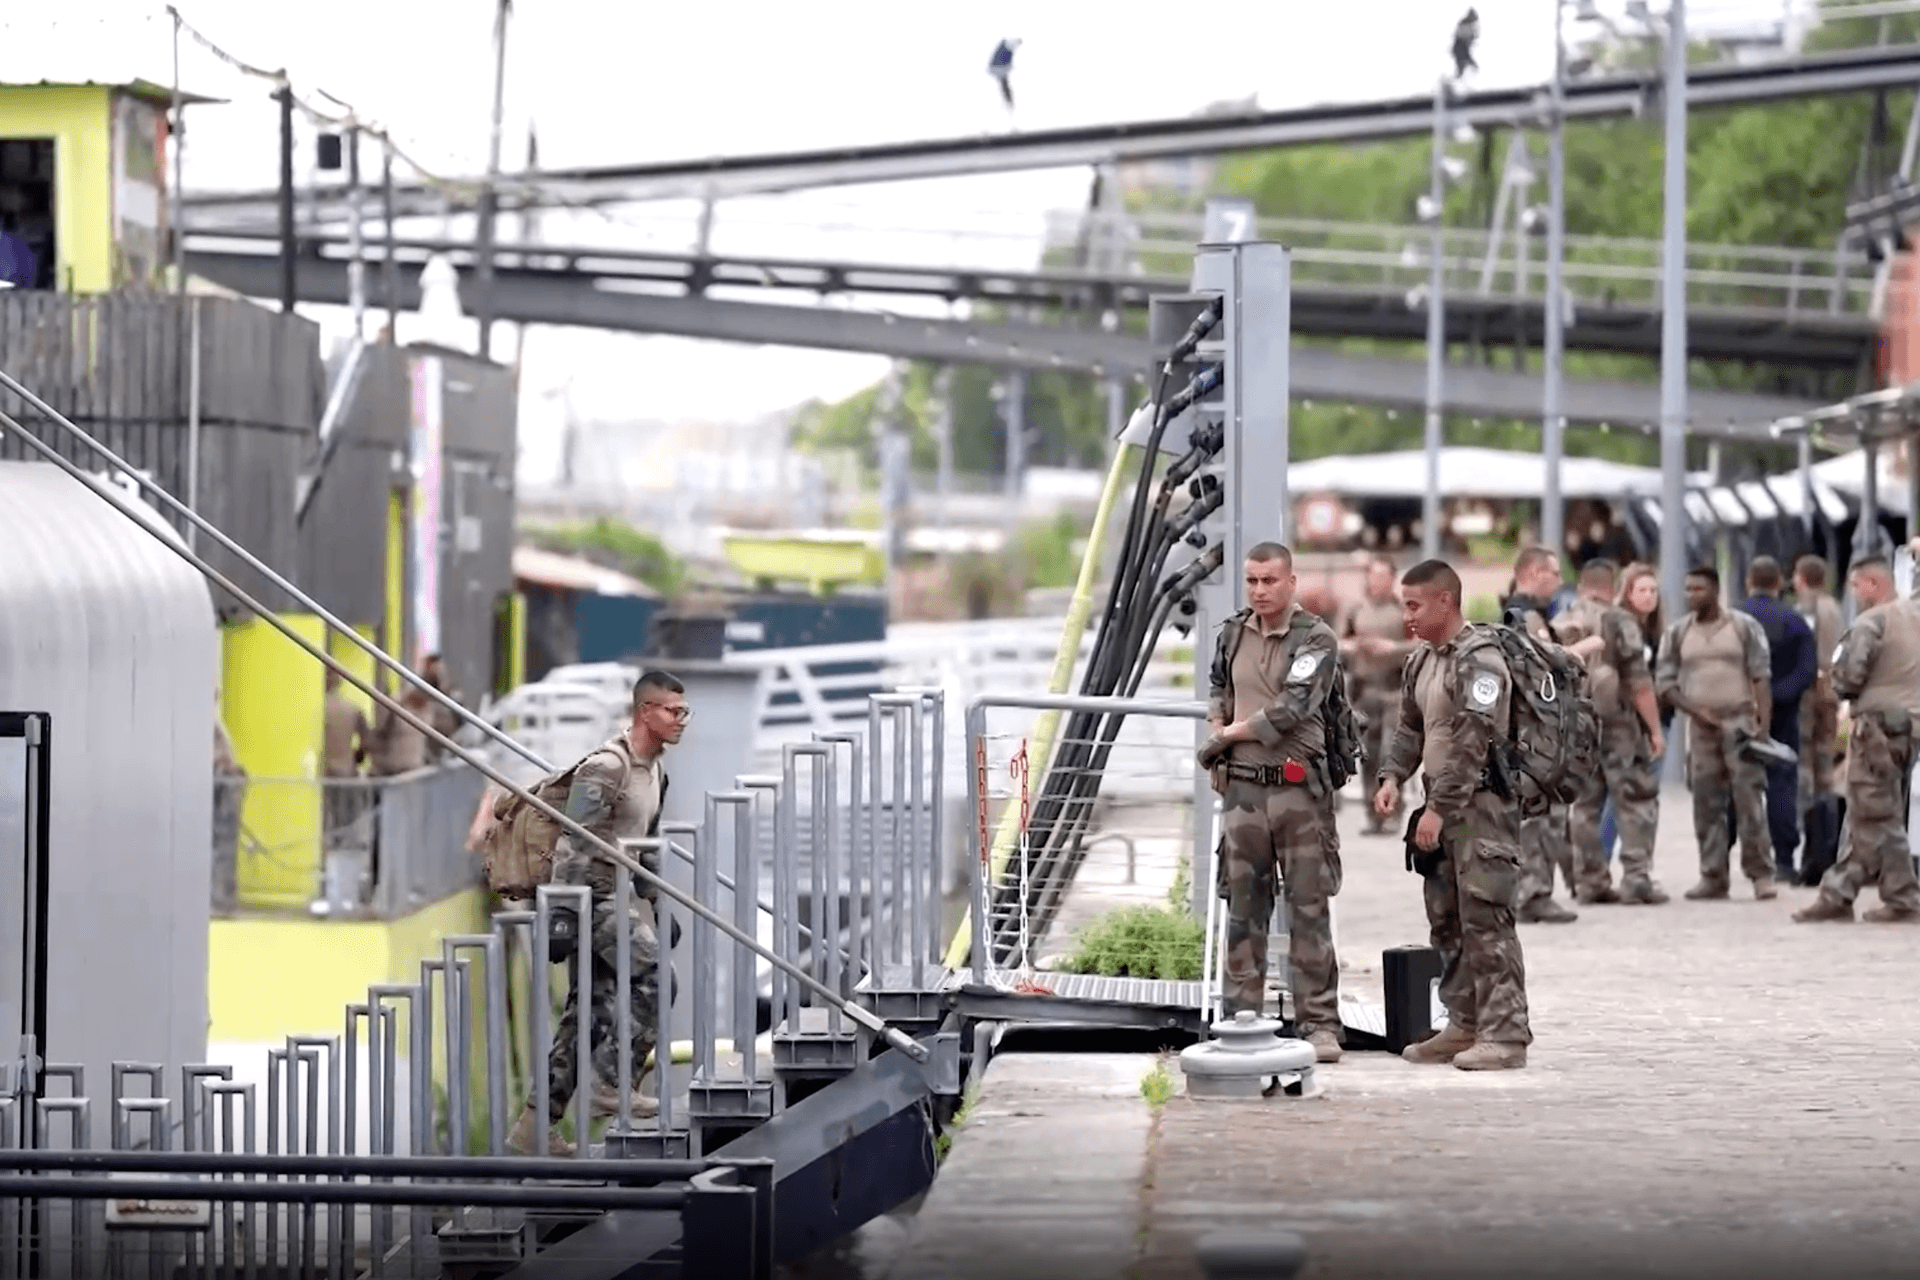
1553,732
518,846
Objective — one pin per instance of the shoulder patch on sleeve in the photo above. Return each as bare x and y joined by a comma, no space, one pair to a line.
1304,666
1484,691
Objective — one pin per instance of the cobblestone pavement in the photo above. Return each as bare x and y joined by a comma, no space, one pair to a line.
1713,1091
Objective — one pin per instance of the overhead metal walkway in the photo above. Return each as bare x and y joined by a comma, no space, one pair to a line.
1610,97
537,295
1781,306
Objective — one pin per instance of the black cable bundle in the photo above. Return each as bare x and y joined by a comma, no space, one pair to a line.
1138,605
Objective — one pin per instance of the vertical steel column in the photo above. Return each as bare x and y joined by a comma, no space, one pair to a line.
1553,423
288,291
1808,519
1866,529
490,189
390,266
857,963
977,847
356,246
1673,325
1436,326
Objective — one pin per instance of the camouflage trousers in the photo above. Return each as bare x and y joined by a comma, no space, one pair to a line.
1379,702
603,1029
1626,775
1819,722
1470,900
1543,847
1288,830
1717,772
1873,845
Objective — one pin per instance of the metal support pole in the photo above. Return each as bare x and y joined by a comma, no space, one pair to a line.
1016,407
1553,423
287,282
1436,328
356,247
176,208
943,419
390,269
1808,522
1866,529
1673,326
490,189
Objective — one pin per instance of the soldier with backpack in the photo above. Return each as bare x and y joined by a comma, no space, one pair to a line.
617,793
1487,716
1545,842
1282,744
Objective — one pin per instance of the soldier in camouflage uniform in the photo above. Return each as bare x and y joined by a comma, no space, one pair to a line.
1543,836
1608,640
1455,705
617,794
1273,665
1716,667
1376,649
1877,669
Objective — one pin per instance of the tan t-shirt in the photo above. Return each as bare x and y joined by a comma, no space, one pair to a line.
1261,667
1713,667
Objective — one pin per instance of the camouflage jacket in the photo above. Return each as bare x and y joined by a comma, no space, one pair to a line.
1478,688
600,801
1619,670
1313,665
1877,645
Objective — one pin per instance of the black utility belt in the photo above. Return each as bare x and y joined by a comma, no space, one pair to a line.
1291,773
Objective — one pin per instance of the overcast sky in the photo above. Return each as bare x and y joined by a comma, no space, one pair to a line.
618,80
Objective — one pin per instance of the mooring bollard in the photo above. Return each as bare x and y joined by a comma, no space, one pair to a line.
1243,1057
1246,1253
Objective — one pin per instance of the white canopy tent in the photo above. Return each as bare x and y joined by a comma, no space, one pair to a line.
1467,472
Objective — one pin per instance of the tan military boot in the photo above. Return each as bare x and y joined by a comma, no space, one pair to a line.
1823,908
1440,1049
1764,889
1595,895
521,1141
1706,890
1642,892
1884,914
606,1102
1490,1055
1545,911
1326,1045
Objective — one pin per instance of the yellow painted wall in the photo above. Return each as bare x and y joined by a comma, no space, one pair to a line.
275,976
78,119
274,697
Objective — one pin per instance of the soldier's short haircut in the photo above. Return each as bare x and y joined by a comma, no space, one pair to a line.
1706,571
654,682
1595,573
1872,564
1763,573
1433,573
1531,558
1811,570
1264,551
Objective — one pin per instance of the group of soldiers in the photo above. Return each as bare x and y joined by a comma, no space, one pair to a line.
1436,697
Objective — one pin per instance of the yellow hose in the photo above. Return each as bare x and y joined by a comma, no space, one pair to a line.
1048,722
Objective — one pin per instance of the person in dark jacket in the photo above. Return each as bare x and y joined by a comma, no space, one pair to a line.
1790,645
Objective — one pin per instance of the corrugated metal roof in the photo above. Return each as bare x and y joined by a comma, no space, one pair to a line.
136,85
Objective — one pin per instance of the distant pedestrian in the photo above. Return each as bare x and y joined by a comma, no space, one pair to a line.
1464,35
1544,842
1790,649
1000,67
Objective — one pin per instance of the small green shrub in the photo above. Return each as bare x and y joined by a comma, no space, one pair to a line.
1140,942
1157,1086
